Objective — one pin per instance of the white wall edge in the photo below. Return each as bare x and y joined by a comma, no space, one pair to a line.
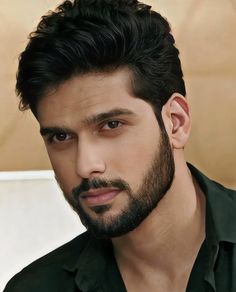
26,175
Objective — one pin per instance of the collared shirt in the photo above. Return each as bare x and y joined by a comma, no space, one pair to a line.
87,264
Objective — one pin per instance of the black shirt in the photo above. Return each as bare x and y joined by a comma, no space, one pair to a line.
87,264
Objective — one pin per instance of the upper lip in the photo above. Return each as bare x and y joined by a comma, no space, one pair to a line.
97,192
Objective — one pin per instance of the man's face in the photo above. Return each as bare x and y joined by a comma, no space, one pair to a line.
109,156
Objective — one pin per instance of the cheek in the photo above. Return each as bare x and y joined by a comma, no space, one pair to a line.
64,167
131,158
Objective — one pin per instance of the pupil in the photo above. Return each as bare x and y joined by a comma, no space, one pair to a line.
113,124
61,136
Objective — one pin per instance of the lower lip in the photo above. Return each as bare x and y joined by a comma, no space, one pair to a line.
102,199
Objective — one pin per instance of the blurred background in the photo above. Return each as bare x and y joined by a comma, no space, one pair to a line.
33,218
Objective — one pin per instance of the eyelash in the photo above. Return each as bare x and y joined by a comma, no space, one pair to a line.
51,137
103,125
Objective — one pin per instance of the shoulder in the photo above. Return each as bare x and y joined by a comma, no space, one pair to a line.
231,193
47,273
223,193
211,187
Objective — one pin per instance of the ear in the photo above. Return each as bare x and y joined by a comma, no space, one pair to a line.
177,120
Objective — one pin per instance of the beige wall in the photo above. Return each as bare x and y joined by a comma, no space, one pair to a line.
205,33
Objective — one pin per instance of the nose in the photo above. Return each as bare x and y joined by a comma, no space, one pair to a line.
89,161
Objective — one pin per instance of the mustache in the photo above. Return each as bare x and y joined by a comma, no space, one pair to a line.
97,183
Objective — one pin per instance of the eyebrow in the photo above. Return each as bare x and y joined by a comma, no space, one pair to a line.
44,131
98,118
94,119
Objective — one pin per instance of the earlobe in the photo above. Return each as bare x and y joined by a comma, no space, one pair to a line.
176,117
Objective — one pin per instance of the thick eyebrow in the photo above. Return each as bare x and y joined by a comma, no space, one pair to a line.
44,131
98,118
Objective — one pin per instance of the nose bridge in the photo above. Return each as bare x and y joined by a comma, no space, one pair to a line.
89,159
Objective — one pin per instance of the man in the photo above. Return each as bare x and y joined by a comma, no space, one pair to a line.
104,80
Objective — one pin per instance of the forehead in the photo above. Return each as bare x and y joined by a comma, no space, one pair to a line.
89,94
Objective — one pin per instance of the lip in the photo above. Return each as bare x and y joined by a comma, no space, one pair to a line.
99,196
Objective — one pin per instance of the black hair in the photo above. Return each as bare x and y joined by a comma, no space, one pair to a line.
83,36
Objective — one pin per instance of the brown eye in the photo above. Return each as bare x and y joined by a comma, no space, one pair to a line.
59,137
112,125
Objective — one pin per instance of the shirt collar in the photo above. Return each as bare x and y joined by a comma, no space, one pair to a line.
221,205
220,213
90,265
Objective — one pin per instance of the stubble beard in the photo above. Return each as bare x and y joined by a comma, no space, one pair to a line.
156,182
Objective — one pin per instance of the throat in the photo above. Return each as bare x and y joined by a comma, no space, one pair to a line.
161,252
159,269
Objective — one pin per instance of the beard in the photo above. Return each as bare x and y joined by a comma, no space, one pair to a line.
155,183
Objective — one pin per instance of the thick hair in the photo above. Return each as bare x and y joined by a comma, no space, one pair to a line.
83,36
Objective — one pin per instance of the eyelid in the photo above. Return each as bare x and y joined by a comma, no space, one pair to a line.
50,137
105,123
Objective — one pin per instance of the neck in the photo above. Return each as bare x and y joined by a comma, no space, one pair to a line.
173,232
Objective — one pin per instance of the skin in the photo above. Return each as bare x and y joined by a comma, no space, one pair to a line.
91,148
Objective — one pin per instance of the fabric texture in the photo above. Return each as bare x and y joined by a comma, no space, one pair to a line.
87,264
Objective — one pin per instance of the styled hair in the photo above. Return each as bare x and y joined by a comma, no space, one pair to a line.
83,36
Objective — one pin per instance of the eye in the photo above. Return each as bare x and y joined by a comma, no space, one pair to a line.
59,137
112,125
